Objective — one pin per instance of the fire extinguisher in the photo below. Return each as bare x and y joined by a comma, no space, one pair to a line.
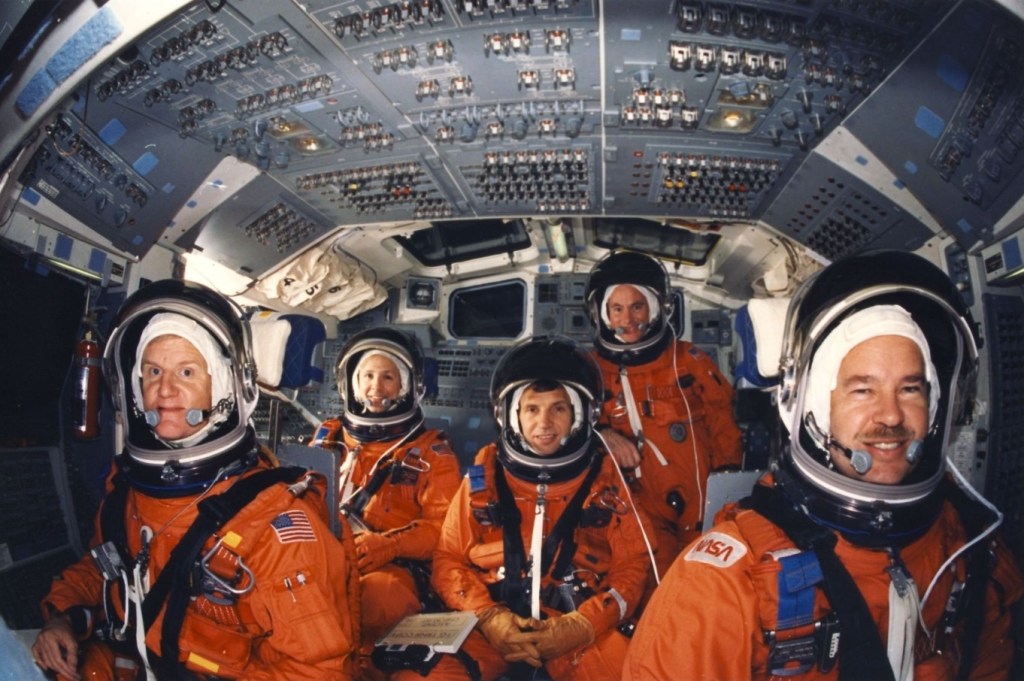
86,399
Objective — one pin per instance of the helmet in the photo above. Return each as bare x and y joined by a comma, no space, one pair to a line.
648,275
401,417
215,326
898,294
550,359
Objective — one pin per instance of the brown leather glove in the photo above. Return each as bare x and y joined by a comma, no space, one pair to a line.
503,629
558,635
374,550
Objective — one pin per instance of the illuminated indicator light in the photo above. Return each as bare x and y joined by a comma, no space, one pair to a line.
732,119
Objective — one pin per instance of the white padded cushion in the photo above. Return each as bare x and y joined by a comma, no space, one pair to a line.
768,318
269,341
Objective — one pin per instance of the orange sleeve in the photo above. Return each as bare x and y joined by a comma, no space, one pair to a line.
434,491
78,585
717,394
627,574
303,600
453,577
702,621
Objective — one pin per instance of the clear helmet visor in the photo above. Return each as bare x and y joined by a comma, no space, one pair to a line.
213,327
815,344
369,413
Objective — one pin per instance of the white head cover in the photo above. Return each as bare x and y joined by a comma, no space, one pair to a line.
879,320
647,292
218,366
574,400
403,373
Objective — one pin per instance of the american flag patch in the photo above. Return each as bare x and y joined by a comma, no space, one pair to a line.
293,526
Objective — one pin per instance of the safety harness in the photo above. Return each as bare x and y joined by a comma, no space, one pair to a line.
390,465
797,641
561,539
177,582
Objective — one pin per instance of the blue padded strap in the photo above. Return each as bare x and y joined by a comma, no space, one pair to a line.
798,578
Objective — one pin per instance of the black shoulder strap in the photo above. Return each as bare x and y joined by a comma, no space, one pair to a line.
513,589
862,654
563,534
362,498
174,585
561,538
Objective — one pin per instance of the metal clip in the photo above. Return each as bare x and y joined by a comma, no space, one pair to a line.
299,488
899,577
249,580
609,500
420,466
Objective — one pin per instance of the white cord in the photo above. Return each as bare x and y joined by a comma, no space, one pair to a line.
689,419
346,472
989,530
636,514
634,419
536,550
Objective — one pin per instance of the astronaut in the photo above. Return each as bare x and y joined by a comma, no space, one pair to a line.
208,559
862,554
397,476
668,412
542,540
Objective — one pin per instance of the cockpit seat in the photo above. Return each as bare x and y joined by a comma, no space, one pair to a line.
289,349
759,328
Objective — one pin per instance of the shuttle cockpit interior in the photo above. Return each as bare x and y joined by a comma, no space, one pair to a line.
455,169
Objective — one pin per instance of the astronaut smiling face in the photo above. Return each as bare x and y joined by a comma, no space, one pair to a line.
380,382
545,419
880,406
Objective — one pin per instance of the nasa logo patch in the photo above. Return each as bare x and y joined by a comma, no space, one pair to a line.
718,549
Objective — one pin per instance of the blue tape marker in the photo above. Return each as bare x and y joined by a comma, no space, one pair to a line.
929,122
113,131
952,73
1011,254
97,259
144,164
62,247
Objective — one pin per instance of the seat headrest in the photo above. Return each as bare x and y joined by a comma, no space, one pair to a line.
287,349
760,325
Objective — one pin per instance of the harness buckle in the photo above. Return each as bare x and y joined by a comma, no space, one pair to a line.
790,657
796,651
229,583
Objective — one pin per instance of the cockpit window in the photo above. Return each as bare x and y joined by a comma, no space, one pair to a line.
453,241
488,311
654,238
